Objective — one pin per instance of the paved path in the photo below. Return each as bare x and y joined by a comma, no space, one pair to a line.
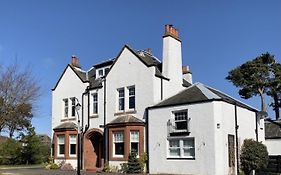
40,171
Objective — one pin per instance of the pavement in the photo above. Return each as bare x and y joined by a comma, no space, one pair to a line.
41,171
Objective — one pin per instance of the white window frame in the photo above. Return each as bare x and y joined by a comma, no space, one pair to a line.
175,120
131,96
95,102
60,142
181,147
72,140
118,141
119,98
73,107
65,107
132,140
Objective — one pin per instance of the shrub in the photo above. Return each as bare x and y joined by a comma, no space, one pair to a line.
10,151
134,165
254,156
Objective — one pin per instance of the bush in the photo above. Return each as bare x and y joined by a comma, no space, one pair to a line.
10,151
254,156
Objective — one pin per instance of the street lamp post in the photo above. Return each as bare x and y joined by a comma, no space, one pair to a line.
79,129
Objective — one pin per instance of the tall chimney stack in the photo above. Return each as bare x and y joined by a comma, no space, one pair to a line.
75,61
172,61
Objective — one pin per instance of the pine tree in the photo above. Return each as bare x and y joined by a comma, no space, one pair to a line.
134,165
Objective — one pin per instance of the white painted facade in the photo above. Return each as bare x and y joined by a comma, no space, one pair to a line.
273,146
210,124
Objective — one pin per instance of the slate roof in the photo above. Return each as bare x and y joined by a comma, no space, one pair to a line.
126,119
66,126
198,93
272,129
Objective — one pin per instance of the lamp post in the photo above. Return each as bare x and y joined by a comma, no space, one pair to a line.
79,129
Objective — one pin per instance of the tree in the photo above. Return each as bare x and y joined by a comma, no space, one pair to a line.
10,151
18,92
254,156
253,77
33,151
275,88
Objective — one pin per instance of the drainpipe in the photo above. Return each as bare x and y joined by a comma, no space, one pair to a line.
105,132
257,131
86,126
161,89
236,136
146,137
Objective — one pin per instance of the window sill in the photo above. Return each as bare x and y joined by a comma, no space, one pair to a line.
94,116
180,158
125,112
68,119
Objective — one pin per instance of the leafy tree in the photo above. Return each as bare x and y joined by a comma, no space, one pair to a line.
18,92
254,156
275,88
253,77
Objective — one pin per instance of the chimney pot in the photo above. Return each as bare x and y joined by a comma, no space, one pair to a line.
171,31
75,61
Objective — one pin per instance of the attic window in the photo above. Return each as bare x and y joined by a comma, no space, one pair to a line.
101,73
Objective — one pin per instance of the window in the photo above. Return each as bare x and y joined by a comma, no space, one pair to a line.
181,148
100,72
72,144
73,107
181,120
95,103
121,99
118,144
61,145
65,107
106,70
134,139
131,97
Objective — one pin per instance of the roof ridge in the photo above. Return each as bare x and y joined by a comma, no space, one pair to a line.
208,94
229,96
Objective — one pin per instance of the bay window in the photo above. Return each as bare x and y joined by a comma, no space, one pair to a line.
134,141
60,145
118,144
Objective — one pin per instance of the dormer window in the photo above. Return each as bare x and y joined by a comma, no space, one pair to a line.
100,72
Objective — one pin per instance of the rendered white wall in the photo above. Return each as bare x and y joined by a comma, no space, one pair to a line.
201,128
273,146
69,86
129,71
210,124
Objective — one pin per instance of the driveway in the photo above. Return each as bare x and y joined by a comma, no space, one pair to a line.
40,171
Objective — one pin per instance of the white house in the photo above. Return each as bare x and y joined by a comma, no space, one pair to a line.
273,137
136,103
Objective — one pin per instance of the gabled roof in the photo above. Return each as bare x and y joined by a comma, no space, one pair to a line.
146,58
199,93
104,63
81,75
272,129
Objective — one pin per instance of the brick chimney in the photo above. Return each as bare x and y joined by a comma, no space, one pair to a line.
172,61
75,61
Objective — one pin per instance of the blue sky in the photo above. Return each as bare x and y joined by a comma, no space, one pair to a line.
216,37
